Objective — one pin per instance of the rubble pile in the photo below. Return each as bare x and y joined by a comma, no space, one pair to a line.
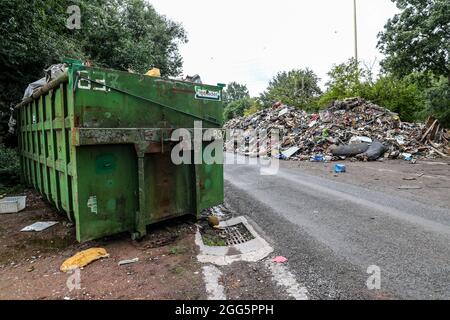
352,127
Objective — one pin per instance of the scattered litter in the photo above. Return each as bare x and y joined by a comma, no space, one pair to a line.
280,259
407,156
129,261
349,150
12,204
83,258
336,131
360,139
290,152
400,140
39,226
318,158
339,168
283,112
409,187
375,150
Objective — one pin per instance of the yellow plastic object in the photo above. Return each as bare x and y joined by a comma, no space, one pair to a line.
83,258
155,72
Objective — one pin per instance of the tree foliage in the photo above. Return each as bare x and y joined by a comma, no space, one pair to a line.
345,80
237,108
418,38
398,95
235,91
120,34
9,168
437,99
133,36
297,87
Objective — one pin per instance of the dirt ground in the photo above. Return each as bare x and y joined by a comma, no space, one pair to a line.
30,261
427,181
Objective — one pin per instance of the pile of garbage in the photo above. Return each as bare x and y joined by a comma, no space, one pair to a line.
350,128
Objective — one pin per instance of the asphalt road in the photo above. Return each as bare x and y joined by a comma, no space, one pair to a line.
331,232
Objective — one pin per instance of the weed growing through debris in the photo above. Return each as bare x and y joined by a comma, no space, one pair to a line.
178,250
177,270
213,241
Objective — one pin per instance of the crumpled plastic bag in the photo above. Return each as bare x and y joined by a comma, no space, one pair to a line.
83,258
33,86
349,150
376,150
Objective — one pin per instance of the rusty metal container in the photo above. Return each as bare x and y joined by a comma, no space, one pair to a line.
97,144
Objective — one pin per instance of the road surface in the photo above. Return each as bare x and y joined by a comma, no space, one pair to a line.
332,232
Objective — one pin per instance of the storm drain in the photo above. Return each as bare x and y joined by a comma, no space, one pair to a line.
236,234
234,240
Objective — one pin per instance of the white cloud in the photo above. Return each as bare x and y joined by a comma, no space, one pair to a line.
249,41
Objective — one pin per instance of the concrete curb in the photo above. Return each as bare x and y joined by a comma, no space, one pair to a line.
250,251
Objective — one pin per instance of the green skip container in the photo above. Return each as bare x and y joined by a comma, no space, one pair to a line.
97,144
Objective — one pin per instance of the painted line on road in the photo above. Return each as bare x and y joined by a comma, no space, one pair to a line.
214,289
284,278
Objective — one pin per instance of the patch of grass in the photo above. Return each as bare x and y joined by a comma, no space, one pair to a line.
213,241
178,250
177,270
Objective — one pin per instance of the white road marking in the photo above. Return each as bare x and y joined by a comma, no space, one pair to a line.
284,278
214,289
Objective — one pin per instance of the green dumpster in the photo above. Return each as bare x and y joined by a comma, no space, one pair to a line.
97,144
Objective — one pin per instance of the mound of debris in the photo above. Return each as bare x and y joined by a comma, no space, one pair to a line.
353,128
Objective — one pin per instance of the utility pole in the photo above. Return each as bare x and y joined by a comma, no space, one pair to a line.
356,30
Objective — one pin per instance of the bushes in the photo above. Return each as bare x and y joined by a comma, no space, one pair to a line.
297,87
9,167
403,96
237,108
400,96
437,104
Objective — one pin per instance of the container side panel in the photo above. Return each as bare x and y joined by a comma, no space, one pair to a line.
137,101
168,191
107,190
211,185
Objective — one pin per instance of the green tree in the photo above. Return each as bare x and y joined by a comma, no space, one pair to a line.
345,80
418,38
398,95
437,104
235,91
133,36
297,88
401,95
120,34
237,108
33,35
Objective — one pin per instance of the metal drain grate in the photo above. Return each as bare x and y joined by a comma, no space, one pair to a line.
236,234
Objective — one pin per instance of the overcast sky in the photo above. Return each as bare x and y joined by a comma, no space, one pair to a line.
249,41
